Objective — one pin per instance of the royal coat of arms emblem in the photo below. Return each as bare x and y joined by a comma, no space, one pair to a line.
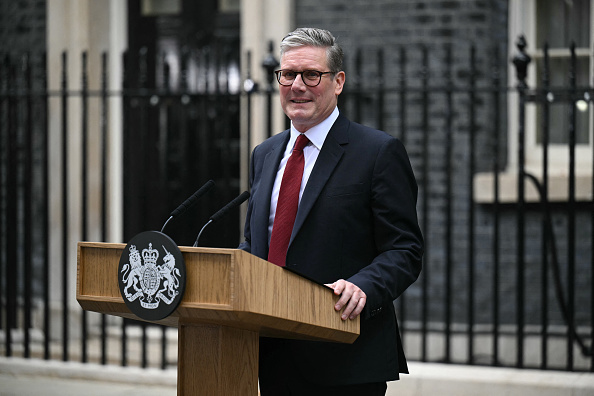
151,278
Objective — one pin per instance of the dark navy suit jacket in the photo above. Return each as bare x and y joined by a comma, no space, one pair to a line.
356,221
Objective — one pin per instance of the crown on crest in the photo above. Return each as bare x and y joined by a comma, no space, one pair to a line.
150,255
134,255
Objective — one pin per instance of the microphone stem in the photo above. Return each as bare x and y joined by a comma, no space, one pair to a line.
164,225
200,233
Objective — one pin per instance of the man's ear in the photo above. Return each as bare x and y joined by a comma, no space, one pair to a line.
339,80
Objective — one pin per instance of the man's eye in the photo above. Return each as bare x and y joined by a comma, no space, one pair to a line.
289,74
311,74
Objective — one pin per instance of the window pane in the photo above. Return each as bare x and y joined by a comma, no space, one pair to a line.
559,71
559,124
561,22
559,111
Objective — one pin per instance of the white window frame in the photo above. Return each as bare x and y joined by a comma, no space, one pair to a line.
522,21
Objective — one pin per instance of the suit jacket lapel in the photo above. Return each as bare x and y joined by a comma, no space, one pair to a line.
328,158
269,170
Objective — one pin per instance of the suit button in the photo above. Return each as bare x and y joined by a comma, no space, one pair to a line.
376,311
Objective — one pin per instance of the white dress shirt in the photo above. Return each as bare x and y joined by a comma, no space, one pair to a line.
316,136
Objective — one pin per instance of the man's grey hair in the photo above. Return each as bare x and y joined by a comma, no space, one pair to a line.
316,38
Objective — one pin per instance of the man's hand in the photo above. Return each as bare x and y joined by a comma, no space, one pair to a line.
352,298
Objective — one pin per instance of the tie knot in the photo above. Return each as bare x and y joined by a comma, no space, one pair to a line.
301,142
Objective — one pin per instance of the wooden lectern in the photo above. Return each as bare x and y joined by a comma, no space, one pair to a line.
231,298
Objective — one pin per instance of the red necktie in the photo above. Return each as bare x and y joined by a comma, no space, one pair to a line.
288,201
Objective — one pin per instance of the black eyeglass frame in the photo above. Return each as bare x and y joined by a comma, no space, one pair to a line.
305,80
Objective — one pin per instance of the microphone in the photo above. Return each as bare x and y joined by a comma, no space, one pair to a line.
222,212
190,201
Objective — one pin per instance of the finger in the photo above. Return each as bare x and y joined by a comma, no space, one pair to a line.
345,297
359,308
349,298
354,306
339,286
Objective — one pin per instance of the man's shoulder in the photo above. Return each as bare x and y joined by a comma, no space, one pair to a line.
365,134
272,142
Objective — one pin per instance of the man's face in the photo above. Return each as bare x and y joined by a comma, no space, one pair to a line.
308,106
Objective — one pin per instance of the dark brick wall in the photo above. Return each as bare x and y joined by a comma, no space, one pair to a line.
22,37
392,22
22,26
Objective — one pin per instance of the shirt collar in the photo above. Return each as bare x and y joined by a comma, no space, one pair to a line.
316,134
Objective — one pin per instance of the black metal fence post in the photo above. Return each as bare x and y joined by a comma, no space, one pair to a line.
250,87
104,120
269,64
402,95
28,205
3,177
521,61
65,206
45,211
495,85
590,97
381,92
571,207
84,185
449,233
426,274
126,85
545,192
471,208
11,209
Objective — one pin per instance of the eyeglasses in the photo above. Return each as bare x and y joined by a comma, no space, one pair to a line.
311,78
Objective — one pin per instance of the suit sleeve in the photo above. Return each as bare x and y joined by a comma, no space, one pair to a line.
246,244
397,235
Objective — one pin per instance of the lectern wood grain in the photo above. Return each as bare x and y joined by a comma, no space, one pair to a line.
233,353
231,298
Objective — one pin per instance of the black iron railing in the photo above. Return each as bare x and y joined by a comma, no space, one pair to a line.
506,281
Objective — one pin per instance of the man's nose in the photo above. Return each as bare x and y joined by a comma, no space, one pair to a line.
298,83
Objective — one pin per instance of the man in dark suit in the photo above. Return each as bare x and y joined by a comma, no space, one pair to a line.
355,227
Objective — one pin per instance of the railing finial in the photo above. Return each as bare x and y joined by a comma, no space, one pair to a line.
521,61
270,63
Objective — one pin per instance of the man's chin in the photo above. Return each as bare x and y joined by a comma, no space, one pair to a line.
299,116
